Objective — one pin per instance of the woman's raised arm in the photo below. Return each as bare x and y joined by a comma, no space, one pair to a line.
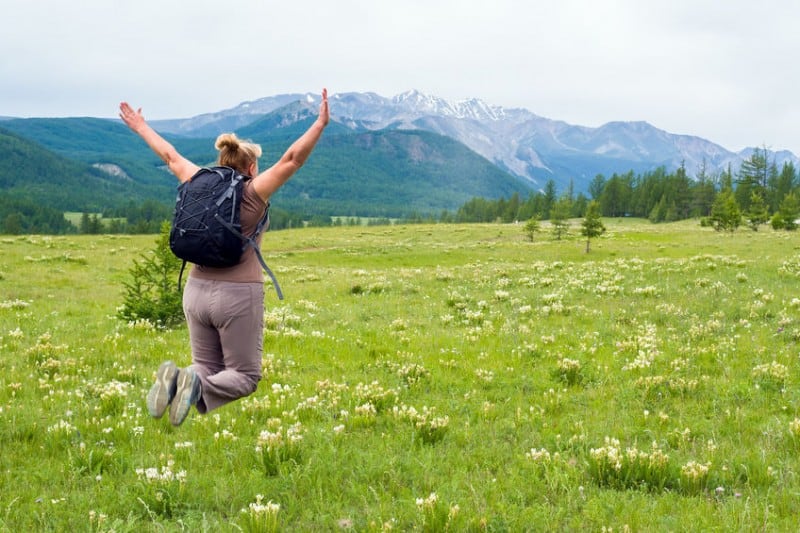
269,181
178,165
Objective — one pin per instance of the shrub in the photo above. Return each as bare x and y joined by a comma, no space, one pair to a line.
153,293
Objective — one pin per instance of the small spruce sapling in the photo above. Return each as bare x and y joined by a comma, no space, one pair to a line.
153,293
592,226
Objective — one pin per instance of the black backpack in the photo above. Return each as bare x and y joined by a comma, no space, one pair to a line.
206,228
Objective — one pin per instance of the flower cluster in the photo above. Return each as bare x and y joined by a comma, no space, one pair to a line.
161,488
487,376
694,476
163,475
429,502
142,324
282,321
112,394
328,398
794,427
259,516
649,291
62,426
429,427
771,375
14,304
375,394
695,471
569,371
279,444
612,466
663,385
643,346
411,373
437,516
538,456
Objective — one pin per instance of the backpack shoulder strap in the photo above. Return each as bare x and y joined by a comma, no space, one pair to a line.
263,224
251,241
278,290
180,276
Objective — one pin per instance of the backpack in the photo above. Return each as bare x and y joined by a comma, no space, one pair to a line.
206,227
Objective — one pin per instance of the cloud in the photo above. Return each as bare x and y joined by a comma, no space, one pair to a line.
687,66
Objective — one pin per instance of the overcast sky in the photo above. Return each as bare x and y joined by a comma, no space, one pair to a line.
724,70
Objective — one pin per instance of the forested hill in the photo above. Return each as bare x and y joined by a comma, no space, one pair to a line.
29,172
89,164
97,141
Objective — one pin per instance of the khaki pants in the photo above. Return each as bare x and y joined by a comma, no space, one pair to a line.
226,330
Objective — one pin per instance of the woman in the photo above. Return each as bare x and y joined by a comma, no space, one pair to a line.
224,307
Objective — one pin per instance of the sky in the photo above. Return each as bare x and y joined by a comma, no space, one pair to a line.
724,71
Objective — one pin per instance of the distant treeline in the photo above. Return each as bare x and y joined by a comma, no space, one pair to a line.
759,190
21,216
148,216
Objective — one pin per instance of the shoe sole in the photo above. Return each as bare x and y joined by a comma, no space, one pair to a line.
186,395
163,390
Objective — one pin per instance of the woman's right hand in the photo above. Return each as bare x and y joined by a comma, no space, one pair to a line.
178,165
133,119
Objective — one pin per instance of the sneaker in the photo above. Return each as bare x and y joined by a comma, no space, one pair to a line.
186,395
163,390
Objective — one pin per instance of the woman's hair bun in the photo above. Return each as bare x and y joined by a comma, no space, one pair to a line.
236,153
227,140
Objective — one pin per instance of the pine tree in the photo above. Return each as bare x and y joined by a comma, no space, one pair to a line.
725,213
153,293
790,210
757,212
549,197
84,227
531,227
703,192
592,226
596,186
12,224
782,184
558,217
753,177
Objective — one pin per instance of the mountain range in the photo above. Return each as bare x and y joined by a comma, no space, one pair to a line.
530,147
411,153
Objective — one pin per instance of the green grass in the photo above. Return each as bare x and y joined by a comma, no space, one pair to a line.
75,218
420,378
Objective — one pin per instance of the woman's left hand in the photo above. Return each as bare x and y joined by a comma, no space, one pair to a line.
324,113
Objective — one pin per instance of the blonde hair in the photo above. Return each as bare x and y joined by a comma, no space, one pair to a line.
236,153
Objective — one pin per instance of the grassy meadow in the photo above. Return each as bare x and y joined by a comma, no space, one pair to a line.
420,378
